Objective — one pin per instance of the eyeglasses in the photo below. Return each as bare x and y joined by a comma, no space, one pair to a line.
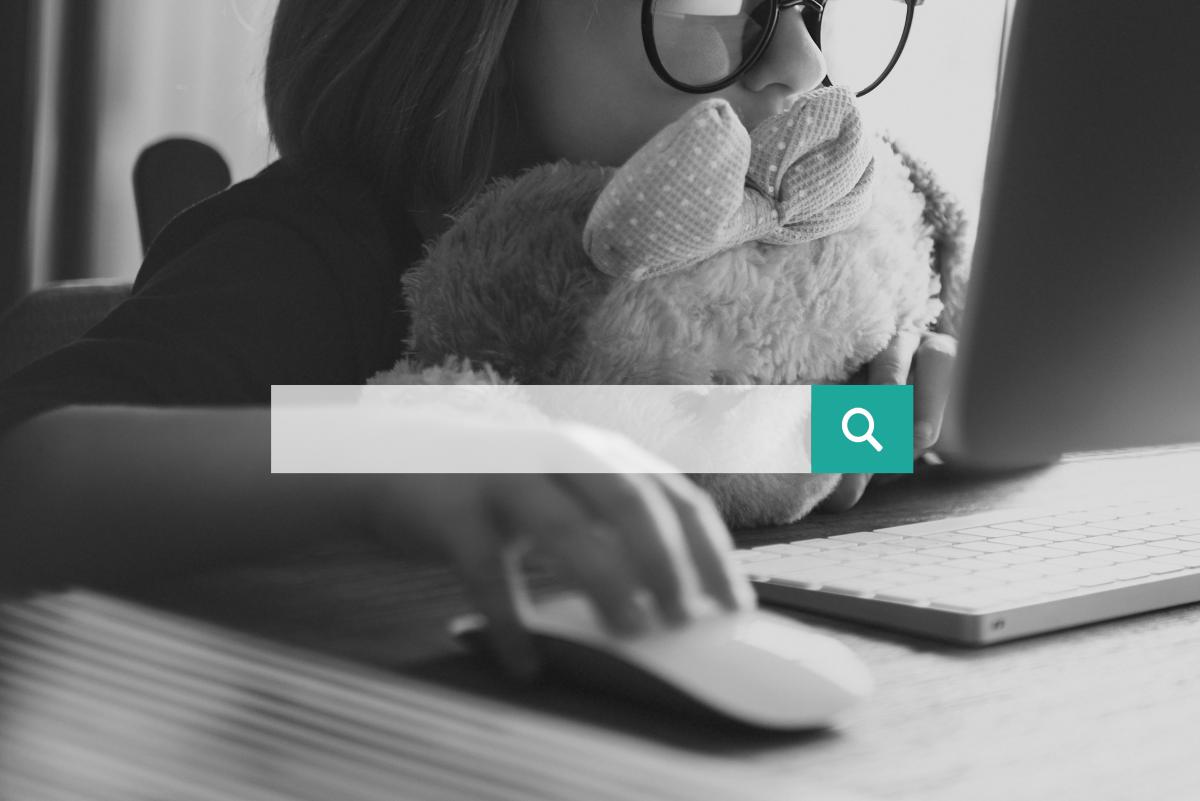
703,46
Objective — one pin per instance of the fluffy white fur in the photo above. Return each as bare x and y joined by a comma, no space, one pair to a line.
509,286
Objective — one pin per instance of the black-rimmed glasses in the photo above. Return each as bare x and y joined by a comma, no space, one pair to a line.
702,46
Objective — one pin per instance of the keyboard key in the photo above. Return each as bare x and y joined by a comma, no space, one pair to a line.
845,555
897,596
972,583
1182,544
1017,557
1172,563
1146,550
1126,572
1096,577
958,523
1149,535
915,558
790,580
987,546
1139,508
1191,559
1015,540
1044,589
1099,517
972,603
949,552
782,549
1083,529
1164,518
1044,551
1113,540
1009,575
975,601
920,593
1057,521
938,571
798,547
954,537
969,603
1106,557
865,537
882,549
978,583
1125,524
746,557
790,564
851,586
891,578
1079,562
919,543
1055,535
1171,528
1147,519
1114,556
1077,546
986,532
870,584
1020,526
826,544
1051,567
972,564
816,576
875,565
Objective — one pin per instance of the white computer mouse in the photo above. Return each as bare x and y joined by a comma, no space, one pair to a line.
757,667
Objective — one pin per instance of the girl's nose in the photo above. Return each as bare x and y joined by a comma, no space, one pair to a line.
792,60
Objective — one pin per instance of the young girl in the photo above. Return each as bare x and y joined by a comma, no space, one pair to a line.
143,448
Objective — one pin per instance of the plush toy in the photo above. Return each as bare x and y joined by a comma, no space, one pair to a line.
787,255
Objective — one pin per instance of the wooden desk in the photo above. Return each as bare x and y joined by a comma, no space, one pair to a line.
1110,711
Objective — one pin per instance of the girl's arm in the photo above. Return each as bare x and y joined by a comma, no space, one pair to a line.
106,495
109,495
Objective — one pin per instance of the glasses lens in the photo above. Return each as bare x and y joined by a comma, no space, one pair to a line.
701,42
858,38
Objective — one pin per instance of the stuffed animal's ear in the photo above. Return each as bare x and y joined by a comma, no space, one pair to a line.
705,185
814,162
670,205
953,234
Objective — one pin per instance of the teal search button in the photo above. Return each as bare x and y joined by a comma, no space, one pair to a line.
862,428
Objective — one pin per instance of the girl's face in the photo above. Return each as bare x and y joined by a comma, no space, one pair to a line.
585,91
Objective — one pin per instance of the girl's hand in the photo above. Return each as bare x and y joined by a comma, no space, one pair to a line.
924,360
633,543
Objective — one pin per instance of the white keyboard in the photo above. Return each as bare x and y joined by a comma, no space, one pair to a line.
993,576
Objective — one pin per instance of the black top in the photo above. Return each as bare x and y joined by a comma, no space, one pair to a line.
290,277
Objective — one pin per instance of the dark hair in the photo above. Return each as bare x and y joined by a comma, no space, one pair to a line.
403,91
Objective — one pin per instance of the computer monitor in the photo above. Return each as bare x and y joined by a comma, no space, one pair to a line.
1082,324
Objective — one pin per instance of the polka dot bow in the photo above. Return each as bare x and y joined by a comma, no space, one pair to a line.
704,185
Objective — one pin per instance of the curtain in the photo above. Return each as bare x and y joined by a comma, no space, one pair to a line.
172,68
18,91
114,76
64,167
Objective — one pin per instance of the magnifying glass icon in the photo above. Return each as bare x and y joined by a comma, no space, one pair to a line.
868,435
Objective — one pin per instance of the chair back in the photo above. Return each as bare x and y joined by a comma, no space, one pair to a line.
169,176
172,175
53,316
